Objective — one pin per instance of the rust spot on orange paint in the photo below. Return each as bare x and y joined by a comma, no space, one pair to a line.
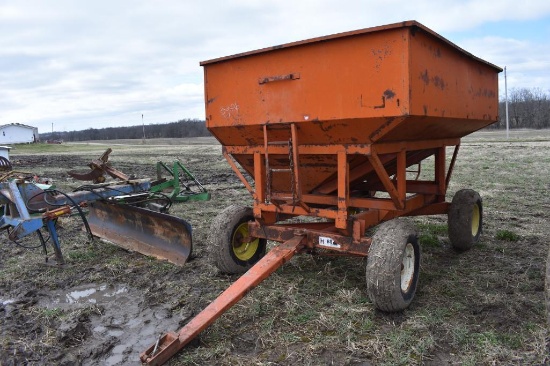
424,77
389,94
438,82
382,127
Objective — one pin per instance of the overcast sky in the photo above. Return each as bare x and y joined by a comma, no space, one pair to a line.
81,64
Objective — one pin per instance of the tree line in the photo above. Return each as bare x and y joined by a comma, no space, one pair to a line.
527,108
181,128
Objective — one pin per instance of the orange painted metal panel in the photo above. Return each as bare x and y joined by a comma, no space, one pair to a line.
395,85
446,83
339,82
347,87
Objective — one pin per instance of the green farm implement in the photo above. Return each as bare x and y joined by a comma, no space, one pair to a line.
181,185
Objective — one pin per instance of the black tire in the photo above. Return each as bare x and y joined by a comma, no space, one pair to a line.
393,265
229,253
465,219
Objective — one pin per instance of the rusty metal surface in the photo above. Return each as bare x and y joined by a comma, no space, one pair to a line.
170,343
353,88
316,235
99,168
148,232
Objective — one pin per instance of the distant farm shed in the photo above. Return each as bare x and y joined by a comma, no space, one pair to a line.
17,133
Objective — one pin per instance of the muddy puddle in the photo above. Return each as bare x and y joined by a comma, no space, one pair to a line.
118,327
91,294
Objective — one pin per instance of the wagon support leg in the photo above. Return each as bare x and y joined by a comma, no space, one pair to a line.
170,343
452,165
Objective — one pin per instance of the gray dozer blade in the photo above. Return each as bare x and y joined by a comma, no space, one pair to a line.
141,230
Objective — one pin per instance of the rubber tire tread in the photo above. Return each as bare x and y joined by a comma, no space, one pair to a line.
460,219
384,265
220,236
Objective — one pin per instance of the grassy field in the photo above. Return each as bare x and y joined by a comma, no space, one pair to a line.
481,307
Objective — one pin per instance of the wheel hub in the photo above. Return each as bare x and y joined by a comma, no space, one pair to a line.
244,250
407,268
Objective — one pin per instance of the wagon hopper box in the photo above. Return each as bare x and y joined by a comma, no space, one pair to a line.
333,128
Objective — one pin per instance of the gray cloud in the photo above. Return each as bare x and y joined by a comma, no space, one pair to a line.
100,64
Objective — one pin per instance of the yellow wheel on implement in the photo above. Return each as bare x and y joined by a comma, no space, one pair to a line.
465,219
232,247
476,219
244,247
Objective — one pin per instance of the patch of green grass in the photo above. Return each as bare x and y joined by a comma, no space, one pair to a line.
10,266
432,316
162,267
459,335
50,314
507,235
430,241
408,345
289,337
514,341
429,234
304,316
82,255
44,148
487,338
480,342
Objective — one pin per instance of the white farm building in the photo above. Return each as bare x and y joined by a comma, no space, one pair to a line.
16,133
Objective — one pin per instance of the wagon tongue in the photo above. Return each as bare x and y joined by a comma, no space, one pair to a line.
138,229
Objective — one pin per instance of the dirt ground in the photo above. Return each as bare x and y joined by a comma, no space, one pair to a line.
106,305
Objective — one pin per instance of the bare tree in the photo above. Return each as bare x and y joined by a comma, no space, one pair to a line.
528,108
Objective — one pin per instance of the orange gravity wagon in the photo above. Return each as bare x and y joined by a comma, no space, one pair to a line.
334,130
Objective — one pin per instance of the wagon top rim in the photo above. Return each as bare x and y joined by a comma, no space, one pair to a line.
413,24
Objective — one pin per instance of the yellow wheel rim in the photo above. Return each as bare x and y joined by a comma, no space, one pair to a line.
244,250
476,218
